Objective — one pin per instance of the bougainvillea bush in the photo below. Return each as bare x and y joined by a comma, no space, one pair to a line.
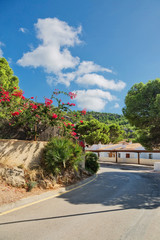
34,117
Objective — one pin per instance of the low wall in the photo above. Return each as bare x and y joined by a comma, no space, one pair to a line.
130,160
18,152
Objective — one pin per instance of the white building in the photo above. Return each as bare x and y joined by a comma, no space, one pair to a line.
132,150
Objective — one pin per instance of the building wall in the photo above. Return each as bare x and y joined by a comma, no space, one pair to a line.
129,160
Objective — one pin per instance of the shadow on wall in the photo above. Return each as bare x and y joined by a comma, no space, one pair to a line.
19,152
128,190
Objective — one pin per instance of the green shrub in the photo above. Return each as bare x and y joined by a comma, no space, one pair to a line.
91,162
62,154
31,185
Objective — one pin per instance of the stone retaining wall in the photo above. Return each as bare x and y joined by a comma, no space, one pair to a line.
18,152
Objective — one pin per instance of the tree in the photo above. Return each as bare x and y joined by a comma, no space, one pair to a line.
143,111
10,94
7,80
115,133
94,132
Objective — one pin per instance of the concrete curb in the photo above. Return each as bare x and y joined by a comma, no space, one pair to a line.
44,196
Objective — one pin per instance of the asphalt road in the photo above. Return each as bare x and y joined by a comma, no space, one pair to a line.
121,203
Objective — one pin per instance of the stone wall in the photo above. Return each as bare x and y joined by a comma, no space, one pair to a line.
20,152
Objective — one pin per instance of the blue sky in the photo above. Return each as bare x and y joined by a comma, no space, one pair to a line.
98,48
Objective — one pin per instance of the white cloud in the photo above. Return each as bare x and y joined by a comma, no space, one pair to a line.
1,53
53,54
99,80
116,105
85,67
93,99
90,67
23,30
9,60
1,45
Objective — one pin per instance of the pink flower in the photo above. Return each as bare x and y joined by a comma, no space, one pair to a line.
54,116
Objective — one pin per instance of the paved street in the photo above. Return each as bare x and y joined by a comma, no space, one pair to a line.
122,203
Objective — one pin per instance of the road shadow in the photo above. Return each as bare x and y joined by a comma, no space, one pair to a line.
129,190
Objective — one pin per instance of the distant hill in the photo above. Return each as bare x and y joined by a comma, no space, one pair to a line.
108,118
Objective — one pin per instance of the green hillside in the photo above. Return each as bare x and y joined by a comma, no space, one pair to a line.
108,118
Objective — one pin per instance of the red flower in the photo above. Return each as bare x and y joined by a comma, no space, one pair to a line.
72,95
62,118
32,97
81,121
33,106
81,143
72,125
84,111
72,104
54,116
73,133
48,101
15,113
18,94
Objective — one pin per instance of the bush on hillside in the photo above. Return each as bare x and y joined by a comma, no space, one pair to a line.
91,162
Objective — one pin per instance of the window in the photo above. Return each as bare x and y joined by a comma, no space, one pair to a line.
150,156
127,155
119,155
